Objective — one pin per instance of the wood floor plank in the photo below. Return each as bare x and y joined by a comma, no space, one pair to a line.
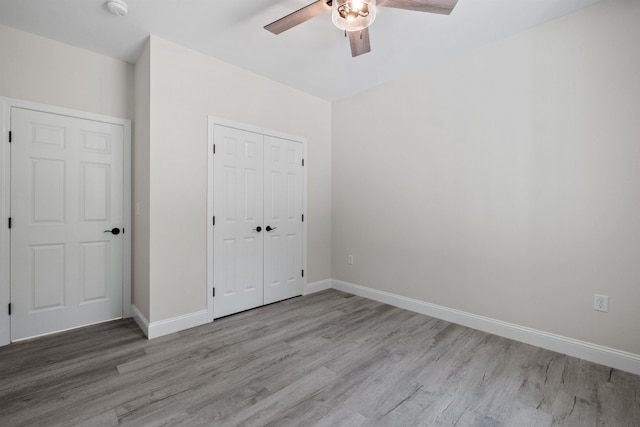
527,416
289,397
328,359
571,410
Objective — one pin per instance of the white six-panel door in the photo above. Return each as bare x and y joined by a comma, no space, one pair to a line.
257,236
282,219
66,190
237,243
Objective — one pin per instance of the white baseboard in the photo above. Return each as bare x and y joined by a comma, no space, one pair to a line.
613,358
191,320
318,286
177,324
142,321
168,326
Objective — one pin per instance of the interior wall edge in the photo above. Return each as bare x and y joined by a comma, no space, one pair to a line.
141,175
141,320
607,356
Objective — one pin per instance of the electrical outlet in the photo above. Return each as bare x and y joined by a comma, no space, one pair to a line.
350,259
601,303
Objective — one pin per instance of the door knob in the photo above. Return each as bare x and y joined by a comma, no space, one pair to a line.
258,229
114,231
269,228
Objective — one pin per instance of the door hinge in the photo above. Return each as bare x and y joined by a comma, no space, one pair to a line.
302,273
214,221
214,292
9,309
302,217
9,222
214,148
9,136
302,162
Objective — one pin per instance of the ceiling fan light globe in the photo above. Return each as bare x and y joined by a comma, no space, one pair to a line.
353,15
117,7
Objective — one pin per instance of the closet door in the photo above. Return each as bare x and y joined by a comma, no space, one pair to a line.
238,234
282,219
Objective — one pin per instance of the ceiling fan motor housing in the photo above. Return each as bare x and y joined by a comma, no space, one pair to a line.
353,15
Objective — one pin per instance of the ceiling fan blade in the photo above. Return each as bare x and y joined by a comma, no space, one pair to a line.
443,7
298,17
359,41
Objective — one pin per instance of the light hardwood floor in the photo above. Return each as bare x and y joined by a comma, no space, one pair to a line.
328,359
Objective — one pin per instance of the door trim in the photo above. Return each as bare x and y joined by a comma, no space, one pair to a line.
212,121
5,197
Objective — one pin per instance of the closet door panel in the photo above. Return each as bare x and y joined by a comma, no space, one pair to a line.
282,219
238,206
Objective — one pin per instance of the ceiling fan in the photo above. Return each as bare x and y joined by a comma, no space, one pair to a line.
355,16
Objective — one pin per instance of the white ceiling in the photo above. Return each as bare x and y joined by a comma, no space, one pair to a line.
313,57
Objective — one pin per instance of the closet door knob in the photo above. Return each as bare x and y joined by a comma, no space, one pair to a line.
269,228
114,231
258,229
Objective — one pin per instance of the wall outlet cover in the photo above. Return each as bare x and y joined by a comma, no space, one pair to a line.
601,303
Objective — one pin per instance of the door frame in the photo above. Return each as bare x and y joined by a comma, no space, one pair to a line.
5,201
212,121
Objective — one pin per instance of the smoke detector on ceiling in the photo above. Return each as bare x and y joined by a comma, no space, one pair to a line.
118,7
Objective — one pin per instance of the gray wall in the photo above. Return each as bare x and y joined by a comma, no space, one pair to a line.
504,182
186,87
37,69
